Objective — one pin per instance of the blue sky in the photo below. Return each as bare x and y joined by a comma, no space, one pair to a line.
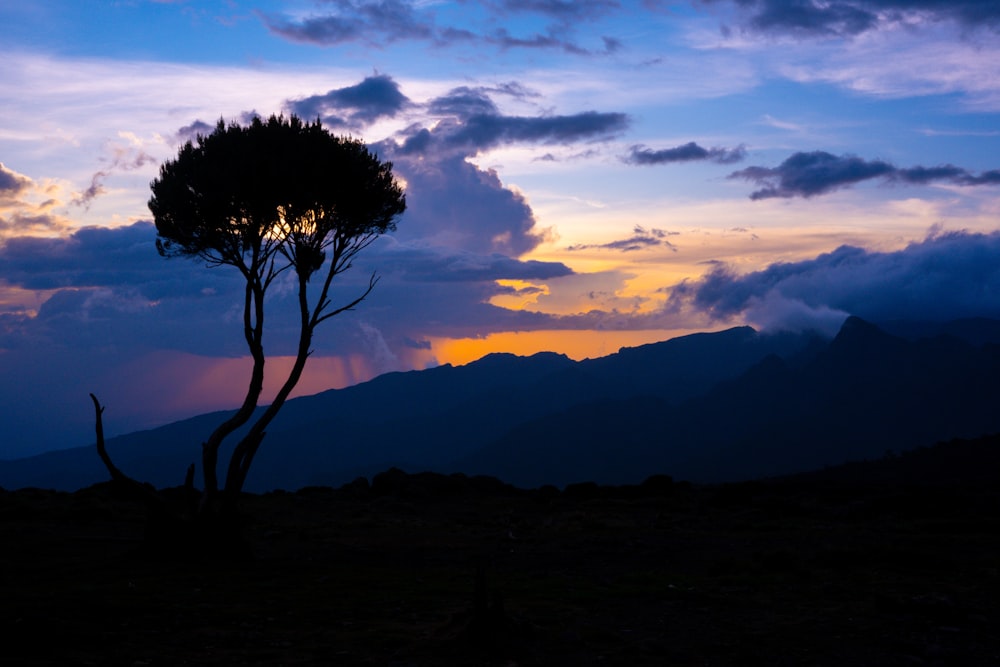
580,176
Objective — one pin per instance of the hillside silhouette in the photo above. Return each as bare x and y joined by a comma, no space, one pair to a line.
885,562
714,407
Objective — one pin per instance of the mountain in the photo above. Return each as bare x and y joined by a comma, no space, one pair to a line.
717,406
862,394
418,419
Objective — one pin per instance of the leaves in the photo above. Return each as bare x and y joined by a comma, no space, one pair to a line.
242,194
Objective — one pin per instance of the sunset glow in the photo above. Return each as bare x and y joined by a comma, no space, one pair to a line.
574,344
579,176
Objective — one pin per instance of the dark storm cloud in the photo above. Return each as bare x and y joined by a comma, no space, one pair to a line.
450,201
453,203
948,173
380,22
641,239
463,102
375,97
853,17
945,276
466,101
689,152
193,131
383,22
808,17
819,172
564,10
553,39
415,344
810,174
483,131
110,288
12,184
423,264
90,257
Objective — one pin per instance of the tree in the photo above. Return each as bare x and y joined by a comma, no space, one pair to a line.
274,196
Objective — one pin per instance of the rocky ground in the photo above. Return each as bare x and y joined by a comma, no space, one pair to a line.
432,570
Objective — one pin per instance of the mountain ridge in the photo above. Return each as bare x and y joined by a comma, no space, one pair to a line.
704,406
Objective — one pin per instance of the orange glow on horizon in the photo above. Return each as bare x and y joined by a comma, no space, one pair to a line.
574,344
176,385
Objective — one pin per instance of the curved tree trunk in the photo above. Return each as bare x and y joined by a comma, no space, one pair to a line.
253,325
246,449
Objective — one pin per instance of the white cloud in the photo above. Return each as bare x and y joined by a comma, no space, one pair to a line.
902,64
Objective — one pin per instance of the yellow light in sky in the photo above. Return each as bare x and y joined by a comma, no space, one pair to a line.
525,294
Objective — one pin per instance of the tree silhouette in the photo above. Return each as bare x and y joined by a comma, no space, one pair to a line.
273,196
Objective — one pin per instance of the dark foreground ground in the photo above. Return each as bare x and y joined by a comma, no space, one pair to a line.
840,568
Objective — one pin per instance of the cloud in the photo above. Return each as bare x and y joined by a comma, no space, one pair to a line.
109,288
483,131
416,344
853,17
423,263
689,152
641,239
564,10
819,172
12,184
375,23
121,157
453,203
192,131
89,257
463,102
354,106
945,276
20,210
467,101
553,39
383,22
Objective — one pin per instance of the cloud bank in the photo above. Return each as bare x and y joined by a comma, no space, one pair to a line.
854,17
384,22
946,276
689,152
818,172
21,212
641,239
354,106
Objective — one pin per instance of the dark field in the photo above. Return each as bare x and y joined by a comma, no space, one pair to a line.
802,572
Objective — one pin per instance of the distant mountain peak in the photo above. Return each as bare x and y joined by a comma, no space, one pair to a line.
855,329
499,358
855,324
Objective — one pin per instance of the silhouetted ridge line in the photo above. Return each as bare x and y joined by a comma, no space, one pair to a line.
722,406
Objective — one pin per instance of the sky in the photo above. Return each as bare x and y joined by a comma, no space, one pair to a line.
580,176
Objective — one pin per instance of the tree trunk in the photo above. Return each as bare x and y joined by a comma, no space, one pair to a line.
178,527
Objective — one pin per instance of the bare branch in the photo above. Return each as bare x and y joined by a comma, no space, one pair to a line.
317,318
141,491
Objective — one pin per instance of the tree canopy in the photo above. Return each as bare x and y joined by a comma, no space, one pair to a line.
277,186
